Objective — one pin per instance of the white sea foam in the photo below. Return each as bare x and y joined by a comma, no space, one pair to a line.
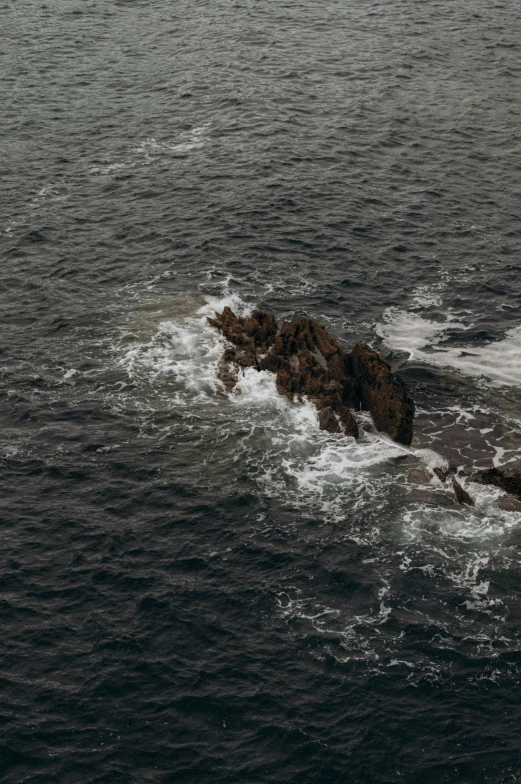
485,524
411,333
225,298
428,296
374,492
148,150
194,140
257,389
297,461
185,351
109,168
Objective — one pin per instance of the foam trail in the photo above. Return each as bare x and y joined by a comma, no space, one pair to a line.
500,362
216,304
187,352
174,362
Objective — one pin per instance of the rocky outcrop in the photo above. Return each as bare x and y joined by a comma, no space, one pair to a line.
462,496
309,362
251,337
441,474
382,393
505,478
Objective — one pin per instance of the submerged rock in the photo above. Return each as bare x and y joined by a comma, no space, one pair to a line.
462,496
441,474
505,478
308,361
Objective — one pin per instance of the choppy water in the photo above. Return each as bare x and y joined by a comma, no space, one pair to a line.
198,587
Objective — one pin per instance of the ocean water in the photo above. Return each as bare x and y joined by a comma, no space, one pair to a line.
202,587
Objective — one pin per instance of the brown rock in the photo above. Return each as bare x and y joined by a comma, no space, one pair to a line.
250,336
462,496
505,478
228,370
348,421
328,421
382,393
336,418
307,361
509,503
442,476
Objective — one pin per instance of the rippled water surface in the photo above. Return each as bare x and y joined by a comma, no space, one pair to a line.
204,587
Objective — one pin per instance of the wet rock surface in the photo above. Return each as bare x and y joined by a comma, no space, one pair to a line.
308,362
504,478
462,496
442,475
382,393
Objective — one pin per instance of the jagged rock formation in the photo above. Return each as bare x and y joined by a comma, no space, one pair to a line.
308,361
462,496
382,393
505,478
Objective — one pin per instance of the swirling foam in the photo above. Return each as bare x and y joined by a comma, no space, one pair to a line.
373,493
409,332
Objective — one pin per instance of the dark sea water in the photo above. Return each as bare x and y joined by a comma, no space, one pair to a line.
197,587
